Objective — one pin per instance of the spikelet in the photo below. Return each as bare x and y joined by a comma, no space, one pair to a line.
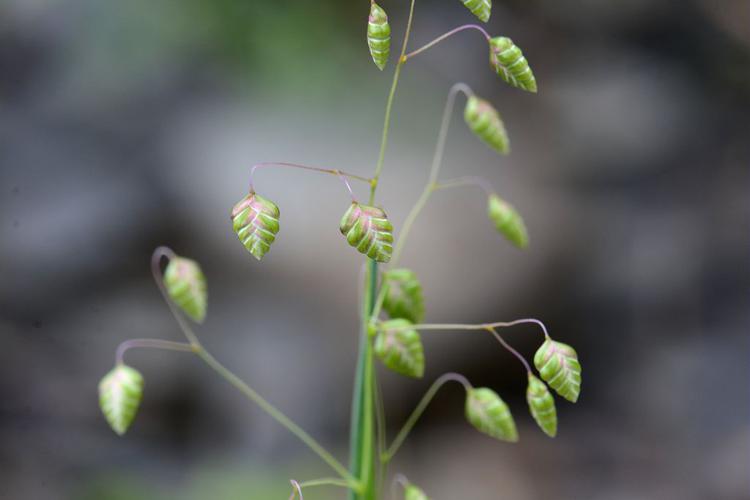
120,393
507,221
508,61
255,220
368,230
542,406
186,286
378,35
484,120
400,348
489,414
403,299
559,367
480,8
412,492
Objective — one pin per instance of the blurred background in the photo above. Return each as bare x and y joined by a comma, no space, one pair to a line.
128,125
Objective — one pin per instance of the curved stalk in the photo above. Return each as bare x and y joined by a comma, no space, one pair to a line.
446,35
510,349
150,344
401,436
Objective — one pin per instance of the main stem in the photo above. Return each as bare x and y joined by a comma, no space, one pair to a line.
362,438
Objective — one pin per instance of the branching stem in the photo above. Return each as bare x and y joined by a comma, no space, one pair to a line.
477,326
343,176
401,436
389,105
151,344
479,182
446,35
238,383
510,349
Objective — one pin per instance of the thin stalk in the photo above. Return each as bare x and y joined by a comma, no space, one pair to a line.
343,176
446,35
479,182
150,344
324,482
401,436
238,383
381,433
477,326
389,105
437,160
510,349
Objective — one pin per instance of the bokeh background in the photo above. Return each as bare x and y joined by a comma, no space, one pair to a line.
128,125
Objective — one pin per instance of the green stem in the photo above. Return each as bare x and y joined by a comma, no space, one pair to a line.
401,436
362,438
324,482
389,106
196,347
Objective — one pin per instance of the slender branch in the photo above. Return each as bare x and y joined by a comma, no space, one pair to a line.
437,160
389,105
479,182
152,344
324,482
446,35
239,383
343,176
478,326
278,416
510,349
401,436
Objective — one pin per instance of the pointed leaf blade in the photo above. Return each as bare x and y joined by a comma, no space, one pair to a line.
542,406
378,35
368,230
400,348
403,298
559,367
485,122
255,220
186,286
489,414
120,393
508,61
507,221
480,8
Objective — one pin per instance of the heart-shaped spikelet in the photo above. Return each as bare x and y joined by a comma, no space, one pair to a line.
255,220
369,231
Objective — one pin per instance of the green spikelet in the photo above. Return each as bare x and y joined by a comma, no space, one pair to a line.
542,406
400,348
255,220
186,286
412,492
368,230
508,61
378,35
120,394
559,367
490,415
403,299
485,122
507,221
480,8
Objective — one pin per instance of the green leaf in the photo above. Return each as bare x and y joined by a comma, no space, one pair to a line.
255,220
412,492
400,348
369,231
378,35
485,122
186,286
490,415
120,394
507,221
559,367
508,61
480,8
403,298
542,405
